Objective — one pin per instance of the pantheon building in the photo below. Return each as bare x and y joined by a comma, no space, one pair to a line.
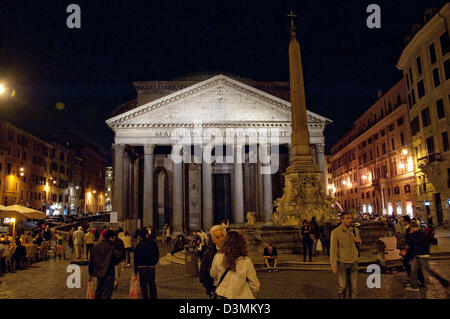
233,136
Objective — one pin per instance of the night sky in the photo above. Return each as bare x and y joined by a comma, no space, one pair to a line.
90,69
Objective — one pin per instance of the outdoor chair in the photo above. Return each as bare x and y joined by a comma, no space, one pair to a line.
45,252
10,262
41,251
33,254
28,255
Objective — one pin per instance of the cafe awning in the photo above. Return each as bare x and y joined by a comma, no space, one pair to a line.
12,214
30,213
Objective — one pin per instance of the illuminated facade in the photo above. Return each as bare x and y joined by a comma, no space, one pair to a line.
49,177
372,165
425,62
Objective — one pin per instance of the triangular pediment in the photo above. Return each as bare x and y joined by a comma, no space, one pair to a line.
219,99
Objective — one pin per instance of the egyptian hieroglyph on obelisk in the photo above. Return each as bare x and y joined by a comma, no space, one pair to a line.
303,196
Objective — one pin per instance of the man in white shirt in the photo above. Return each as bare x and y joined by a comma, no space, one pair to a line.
78,241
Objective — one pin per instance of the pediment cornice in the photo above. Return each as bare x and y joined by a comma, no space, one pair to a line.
216,81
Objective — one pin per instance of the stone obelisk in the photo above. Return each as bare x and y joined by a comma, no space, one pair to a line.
303,196
301,160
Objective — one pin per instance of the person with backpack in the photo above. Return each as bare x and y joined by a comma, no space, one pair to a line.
104,257
233,269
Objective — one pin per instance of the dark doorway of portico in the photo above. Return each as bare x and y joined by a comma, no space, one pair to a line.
221,197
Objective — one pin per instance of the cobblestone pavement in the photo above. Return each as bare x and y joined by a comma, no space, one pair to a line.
48,280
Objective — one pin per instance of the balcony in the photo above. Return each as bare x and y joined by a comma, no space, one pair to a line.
431,158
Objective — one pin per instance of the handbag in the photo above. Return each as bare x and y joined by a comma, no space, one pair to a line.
135,290
319,245
214,294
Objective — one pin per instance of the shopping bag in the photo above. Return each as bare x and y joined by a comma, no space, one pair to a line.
135,290
319,246
90,290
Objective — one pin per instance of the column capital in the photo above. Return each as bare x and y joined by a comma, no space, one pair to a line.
149,149
118,148
320,148
177,149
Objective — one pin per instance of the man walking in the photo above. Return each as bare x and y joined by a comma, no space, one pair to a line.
78,241
89,239
217,236
345,241
103,259
419,250
146,256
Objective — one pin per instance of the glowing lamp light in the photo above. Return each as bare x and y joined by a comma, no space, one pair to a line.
330,187
94,192
54,182
76,187
21,174
401,166
2,89
364,177
405,151
13,220
344,182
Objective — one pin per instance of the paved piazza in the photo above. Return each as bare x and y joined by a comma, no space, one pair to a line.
48,280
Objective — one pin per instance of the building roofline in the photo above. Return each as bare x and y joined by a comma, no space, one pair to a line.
436,17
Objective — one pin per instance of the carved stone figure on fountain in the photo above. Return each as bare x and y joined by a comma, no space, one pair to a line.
251,218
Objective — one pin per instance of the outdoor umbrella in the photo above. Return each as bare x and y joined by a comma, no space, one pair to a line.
28,212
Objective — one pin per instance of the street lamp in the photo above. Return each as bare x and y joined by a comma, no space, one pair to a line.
4,89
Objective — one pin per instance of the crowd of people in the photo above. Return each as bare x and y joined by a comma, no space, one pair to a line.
226,271
24,237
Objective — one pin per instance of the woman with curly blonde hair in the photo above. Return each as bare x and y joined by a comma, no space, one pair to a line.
233,271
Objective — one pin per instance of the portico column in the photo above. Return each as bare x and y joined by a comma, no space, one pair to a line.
118,203
238,211
148,185
267,184
136,193
178,194
207,214
126,184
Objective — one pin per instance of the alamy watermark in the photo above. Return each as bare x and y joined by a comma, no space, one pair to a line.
228,146
374,19
374,279
74,279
